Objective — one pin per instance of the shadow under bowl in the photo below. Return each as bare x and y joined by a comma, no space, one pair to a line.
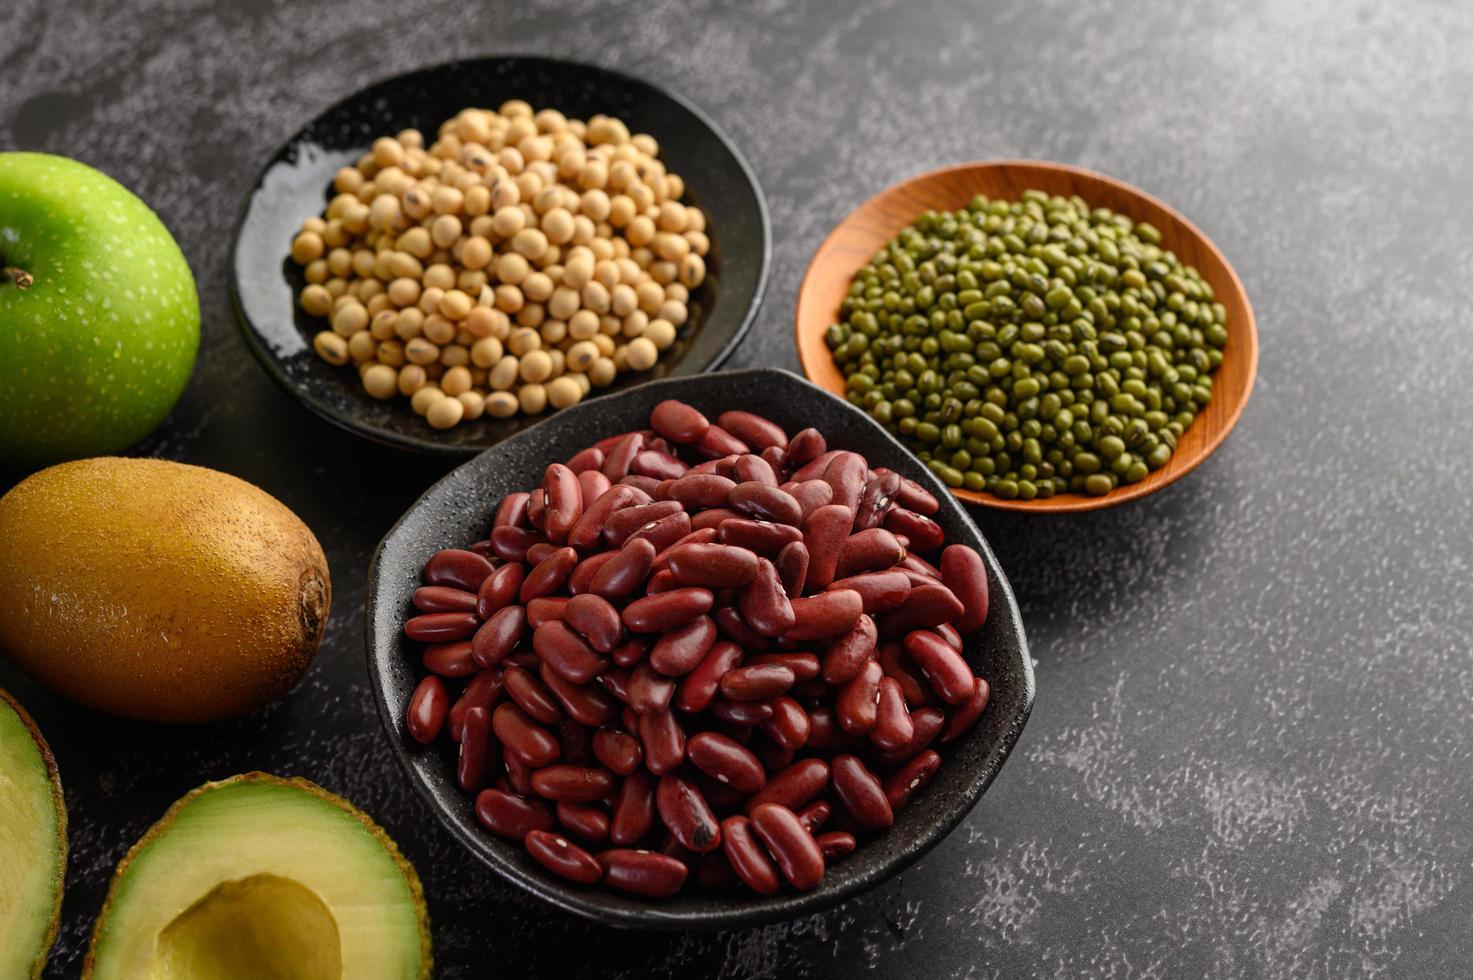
458,511
875,222
296,185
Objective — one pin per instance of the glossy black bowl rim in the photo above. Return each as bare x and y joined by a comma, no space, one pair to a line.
586,902
429,445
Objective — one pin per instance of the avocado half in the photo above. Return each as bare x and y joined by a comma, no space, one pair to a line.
264,878
32,844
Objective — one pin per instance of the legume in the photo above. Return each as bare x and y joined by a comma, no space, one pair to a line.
672,663
1015,345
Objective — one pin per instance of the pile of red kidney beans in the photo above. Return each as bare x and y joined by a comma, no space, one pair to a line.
701,652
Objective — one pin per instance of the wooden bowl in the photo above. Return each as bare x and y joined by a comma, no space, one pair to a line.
875,222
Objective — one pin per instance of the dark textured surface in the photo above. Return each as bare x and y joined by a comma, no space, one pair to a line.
456,513
1251,753
295,183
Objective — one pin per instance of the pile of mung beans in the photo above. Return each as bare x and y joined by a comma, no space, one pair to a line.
515,264
1032,347
700,651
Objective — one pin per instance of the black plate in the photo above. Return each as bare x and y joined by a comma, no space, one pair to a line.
295,186
458,510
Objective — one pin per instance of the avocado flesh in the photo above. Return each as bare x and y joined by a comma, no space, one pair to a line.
32,845
262,878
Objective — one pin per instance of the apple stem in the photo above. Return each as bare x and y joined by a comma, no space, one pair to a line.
19,276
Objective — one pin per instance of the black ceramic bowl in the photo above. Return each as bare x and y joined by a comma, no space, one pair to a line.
458,511
296,185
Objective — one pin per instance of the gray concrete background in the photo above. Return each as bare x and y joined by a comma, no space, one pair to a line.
1251,754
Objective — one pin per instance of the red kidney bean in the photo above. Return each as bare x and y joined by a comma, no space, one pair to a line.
584,703
764,605
712,517
848,653
893,728
846,474
657,613
531,696
879,591
450,659
457,568
664,532
663,741
861,793
510,815
661,466
585,821
792,568
754,469
660,581
815,815
549,575
598,621
539,551
574,784
856,703
794,786
945,670
649,691
617,751
499,589
512,511
824,731
727,761
518,773
729,620
835,844
948,633
645,484
824,615
623,574
746,856
688,816
564,501
586,533
788,728
754,430
963,572
609,442
911,494
927,605
427,709
715,566
699,686
618,456
521,737
679,651
476,750
441,627
825,535
766,502
634,808
913,685
813,469
701,490
631,651
793,848
566,652
643,873
718,442
806,446
924,533
903,783
803,665
964,715
758,682
876,500
511,543
483,691
741,714
591,485
562,857
700,536
537,509
927,722
763,537
585,460
622,523
499,634
443,598
866,551
679,422
811,495
546,609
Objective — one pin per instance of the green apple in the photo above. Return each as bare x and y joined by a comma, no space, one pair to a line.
99,317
